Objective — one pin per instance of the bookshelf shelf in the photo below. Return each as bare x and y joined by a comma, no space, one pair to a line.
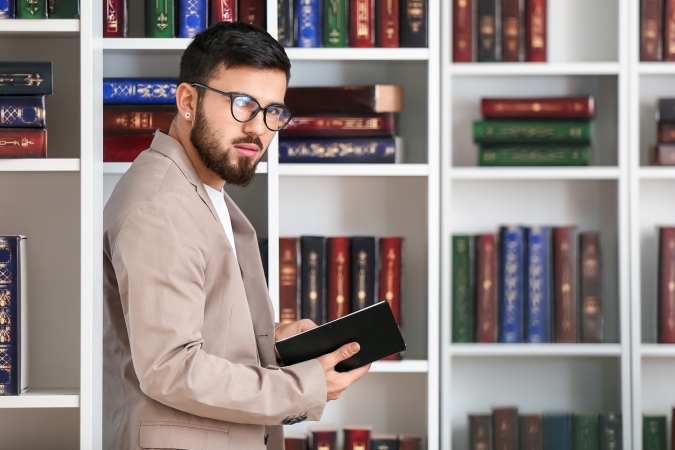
404,366
40,165
43,398
656,68
527,350
356,170
657,173
535,173
521,69
657,351
39,27
120,168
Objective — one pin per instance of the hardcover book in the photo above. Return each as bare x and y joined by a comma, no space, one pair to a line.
26,78
512,24
536,35
611,435
653,432
409,443
323,437
566,296
495,132
191,17
666,133
387,21
489,31
253,12
665,112
517,155
348,150
669,31
538,108
312,280
585,432
362,23
511,284
480,432
462,289
63,9
557,431
486,288
414,23
462,31
666,286
338,277
538,314
7,9
23,143
532,432
125,148
505,428
364,125
160,18
225,11
356,438
391,273
383,441
363,265
22,111
115,18
285,22
309,27
663,155
159,91
651,18
311,101
137,119
31,9
289,293
591,286
335,23
295,441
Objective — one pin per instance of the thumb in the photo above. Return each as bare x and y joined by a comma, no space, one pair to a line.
345,352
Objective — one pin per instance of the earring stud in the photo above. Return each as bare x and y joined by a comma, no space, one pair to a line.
187,115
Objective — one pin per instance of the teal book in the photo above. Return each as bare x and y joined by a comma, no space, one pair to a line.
654,433
160,18
64,9
531,132
31,9
463,300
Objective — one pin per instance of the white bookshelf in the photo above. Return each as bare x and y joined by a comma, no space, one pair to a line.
43,398
40,165
40,27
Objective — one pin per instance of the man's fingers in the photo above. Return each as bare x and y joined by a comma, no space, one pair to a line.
356,374
307,324
345,352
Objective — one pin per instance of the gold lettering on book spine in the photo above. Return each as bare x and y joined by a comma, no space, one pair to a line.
538,26
335,21
362,19
359,446
226,14
566,288
415,14
340,299
288,278
28,79
391,22
463,22
162,18
487,286
361,293
111,16
313,285
391,260
24,142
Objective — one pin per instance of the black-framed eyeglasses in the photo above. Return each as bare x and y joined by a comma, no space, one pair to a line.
244,108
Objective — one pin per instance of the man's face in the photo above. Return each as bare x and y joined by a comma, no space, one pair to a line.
229,148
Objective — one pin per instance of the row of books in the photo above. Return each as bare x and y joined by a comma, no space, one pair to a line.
39,9
666,286
654,432
657,30
553,131
324,437
527,285
505,429
499,30
663,153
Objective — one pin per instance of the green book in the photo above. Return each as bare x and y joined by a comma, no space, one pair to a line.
462,289
334,23
534,155
531,132
585,432
64,9
654,433
31,9
160,19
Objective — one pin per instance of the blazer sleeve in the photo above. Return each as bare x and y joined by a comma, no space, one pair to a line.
159,258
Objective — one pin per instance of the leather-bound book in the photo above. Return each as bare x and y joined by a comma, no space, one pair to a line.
313,281
115,18
296,441
31,9
557,431
323,437
665,111
651,32
531,432
63,9
383,441
341,150
289,291
356,438
252,12
486,288
363,267
137,119
666,286
23,143
414,29
364,125
666,133
388,17
409,443
192,17
224,11
669,31
611,431
463,299
146,91
585,432
308,23
519,155
489,31
480,432
462,31
511,284
337,280
512,25
531,132
505,427
160,18
565,294
125,148
22,111
663,155
391,278
335,23
362,23
538,108
8,9
377,98
536,35
538,293
654,432
285,22
591,286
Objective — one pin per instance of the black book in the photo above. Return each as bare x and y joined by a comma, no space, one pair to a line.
666,110
26,78
489,31
383,441
611,434
364,254
264,255
480,432
313,278
413,27
286,23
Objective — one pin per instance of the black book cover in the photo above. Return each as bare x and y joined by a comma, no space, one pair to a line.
383,441
264,256
666,110
26,78
364,253
313,278
414,19
611,434
286,23
489,31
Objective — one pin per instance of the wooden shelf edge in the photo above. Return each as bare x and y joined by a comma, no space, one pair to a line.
40,165
43,398
553,350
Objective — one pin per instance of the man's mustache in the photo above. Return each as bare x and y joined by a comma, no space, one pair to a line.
248,140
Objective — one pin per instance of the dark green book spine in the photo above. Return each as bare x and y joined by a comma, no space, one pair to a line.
160,19
585,432
335,23
31,9
462,289
495,132
514,155
64,9
654,433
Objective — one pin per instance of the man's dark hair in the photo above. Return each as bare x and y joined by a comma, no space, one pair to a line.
232,44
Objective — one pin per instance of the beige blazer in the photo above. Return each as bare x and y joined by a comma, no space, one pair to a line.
185,326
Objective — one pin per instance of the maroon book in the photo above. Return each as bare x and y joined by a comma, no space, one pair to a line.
388,18
666,133
125,148
137,119
531,432
365,125
535,31
324,438
512,18
409,443
591,299
666,288
390,282
338,277
361,23
253,12
356,438
23,143
115,18
538,108
505,428
669,31
295,441
462,31
663,155
565,296
288,280
486,287
651,33
223,11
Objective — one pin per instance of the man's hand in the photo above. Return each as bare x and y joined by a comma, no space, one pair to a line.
337,382
291,329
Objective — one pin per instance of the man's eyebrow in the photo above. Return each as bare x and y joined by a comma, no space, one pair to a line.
249,95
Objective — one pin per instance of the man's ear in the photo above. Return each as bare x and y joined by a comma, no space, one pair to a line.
186,101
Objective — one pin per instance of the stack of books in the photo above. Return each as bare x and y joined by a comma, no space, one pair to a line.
657,33
133,108
342,124
663,153
324,437
534,131
654,432
526,286
666,281
39,9
506,429
23,123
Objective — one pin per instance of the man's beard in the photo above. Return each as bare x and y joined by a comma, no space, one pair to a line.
217,159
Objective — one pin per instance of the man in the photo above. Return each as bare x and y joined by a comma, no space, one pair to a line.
189,359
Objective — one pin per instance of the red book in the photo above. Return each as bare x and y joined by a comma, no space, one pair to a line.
666,288
669,32
486,282
23,143
591,288
288,280
505,428
324,437
666,133
361,23
388,23
391,265
651,34
253,12
538,108
565,296
295,441
462,31
125,148
223,11
338,277
535,31
356,438
115,18
137,119
512,15
366,125
409,443
663,155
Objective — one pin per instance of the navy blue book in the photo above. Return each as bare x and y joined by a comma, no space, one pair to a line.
313,278
191,17
363,251
611,431
286,23
22,111
7,9
558,431
340,150
538,317
25,78
511,284
309,23
145,91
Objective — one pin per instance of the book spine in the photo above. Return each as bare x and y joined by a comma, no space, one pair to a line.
63,9
191,17
611,433
538,267
370,125
344,100
557,431
337,282
663,155
296,443
462,31
160,19
486,289
531,132
312,280
531,432
391,273
335,25
666,110
125,148
669,31
20,112
666,286
361,23
144,91
505,428
115,18
651,30
324,440
462,290
289,297
123,119
285,23
524,155
666,133
512,24
363,267
385,442
309,23
226,11
654,433
538,108
253,12
377,150
480,432
565,290
7,9
414,24
23,143
511,273
536,36
591,283
26,78
263,247
31,9
356,439
388,18
585,431
489,31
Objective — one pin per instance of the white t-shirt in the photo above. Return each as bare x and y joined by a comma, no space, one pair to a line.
218,201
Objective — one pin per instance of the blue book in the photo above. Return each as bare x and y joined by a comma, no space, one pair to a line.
346,150
538,317
22,111
558,431
7,10
191,17
309,23
611,431
510,290
145,91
